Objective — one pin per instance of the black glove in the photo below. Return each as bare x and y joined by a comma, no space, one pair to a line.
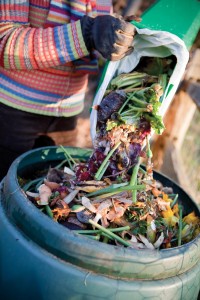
110,36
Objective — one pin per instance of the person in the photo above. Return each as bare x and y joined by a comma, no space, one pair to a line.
47,51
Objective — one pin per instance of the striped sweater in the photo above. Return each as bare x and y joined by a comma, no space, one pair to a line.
44,63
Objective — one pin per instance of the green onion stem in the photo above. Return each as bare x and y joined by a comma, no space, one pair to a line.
162,80
70,159
134,85
117,190
105,239
133,180
93,237
174,201
148,149
127,100
97,237
39,184
116,185
106,236
30,183
102,168
90,231
142,170
49,211
133,109
110,234
132,89
131,79
61,164
180,225
139,102
107,195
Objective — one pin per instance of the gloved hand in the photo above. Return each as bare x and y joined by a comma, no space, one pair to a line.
111,36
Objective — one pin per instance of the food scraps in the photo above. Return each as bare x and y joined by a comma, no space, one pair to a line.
111,197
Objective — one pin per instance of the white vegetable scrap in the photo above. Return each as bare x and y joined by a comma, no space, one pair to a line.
86,202
69,171
70,196
44,194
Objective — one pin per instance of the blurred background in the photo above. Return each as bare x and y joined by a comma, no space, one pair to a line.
176,153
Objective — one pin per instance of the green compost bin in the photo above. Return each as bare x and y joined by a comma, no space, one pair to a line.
41,259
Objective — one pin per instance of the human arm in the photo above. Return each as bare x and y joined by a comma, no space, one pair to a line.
24,48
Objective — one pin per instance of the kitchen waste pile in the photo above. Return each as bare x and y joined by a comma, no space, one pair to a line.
111,197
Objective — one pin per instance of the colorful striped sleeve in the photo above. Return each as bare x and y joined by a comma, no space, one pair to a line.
23,47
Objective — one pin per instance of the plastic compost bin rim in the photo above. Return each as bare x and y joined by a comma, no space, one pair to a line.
81,251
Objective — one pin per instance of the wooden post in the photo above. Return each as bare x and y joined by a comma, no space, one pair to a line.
167,147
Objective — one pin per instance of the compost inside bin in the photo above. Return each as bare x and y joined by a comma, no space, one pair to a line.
104,210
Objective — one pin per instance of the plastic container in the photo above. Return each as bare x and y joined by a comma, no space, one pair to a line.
41,259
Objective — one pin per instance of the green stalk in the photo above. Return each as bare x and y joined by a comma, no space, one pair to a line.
162,80
125,103
180,225
139,102
110,234
130,90
133,109
133,181
97,237
134,117
117,190
39,184
107,195
142,170
93,237
133,86
101,170
49,211
106,236
90,231
123,80
148,149
32,182
131,80
68,156
105,239
61,164
174,201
